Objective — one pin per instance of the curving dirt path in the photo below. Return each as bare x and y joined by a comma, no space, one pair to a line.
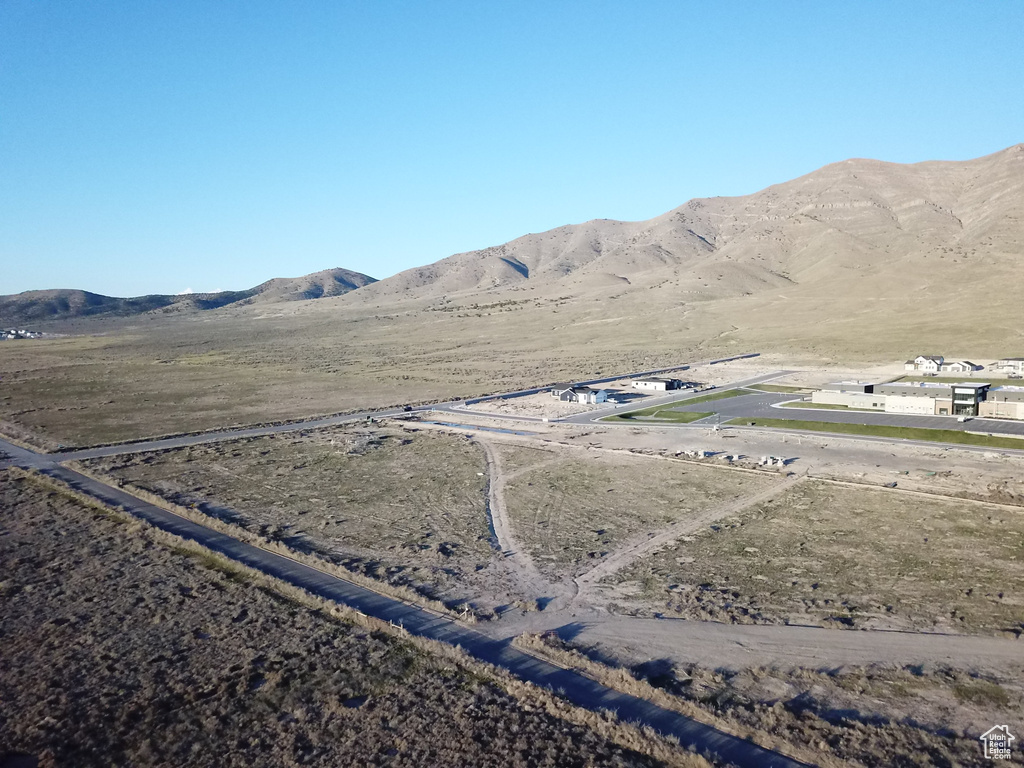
644,544
531,582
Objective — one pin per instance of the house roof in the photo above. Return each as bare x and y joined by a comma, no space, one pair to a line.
1011,359
561,387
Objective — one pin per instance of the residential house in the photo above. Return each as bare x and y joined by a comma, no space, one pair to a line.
925,363
558,389
959,366
584,395
1011,365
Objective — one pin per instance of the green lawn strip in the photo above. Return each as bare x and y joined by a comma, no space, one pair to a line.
664,416
873,430
775,388
712,396
828,407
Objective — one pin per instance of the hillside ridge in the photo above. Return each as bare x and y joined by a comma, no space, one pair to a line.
59,304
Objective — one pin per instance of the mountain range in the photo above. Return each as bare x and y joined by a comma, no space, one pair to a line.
59,304
882,242
912,226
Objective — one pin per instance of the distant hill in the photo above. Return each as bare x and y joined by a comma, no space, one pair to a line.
329,282
867,226
38,306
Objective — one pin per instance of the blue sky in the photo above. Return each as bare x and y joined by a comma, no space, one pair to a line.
150,147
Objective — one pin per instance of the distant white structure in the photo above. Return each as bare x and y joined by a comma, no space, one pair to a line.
925,363
1010,365
657,384
959,366
570,393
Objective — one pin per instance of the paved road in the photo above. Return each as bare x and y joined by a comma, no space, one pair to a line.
764,405
674,397
616,377
580,690
181,441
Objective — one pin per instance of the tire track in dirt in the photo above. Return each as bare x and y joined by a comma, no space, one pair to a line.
642,545
531,582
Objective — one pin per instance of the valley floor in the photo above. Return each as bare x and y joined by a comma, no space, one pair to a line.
728,587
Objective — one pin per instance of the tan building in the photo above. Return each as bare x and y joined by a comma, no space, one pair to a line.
852,394
1003,403
926,397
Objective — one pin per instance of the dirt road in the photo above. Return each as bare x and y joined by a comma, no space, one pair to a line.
531,583
643,545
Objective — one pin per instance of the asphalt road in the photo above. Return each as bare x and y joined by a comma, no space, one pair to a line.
674,397
763,405
181,441
578,689
615,377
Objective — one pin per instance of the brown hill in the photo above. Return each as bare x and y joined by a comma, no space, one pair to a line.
317,285
888,227
61,304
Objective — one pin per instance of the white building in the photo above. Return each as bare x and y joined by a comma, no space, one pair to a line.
925,363
959,366
657,384
1011,365
573,394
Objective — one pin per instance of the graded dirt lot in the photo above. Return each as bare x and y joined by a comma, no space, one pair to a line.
845,556
118,650
576,510
405,505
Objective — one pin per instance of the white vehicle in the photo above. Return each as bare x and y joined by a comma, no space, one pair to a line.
962,419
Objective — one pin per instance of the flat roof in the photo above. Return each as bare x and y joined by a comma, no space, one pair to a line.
918,384
1008,388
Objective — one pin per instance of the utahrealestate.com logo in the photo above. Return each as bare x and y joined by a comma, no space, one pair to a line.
997,740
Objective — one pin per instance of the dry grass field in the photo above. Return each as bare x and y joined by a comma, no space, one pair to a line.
826,553
877,715
117,650
572,513
170,375
408,507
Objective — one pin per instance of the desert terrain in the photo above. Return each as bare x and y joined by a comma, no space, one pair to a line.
859,603
121,647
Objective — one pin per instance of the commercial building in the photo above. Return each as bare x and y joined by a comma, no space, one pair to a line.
1003,403
926,397
852,394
